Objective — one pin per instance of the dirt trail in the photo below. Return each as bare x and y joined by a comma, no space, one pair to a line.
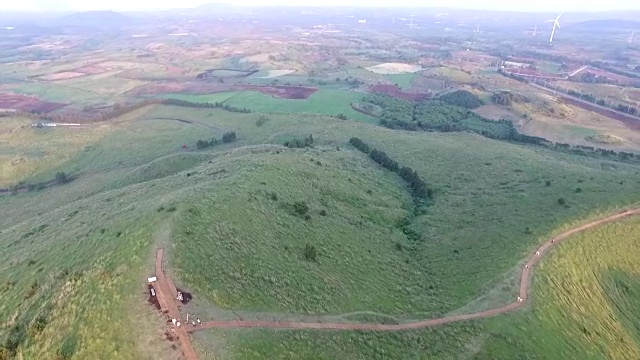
524,286
166,298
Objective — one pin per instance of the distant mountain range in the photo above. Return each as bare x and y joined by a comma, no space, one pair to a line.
95,19
605,25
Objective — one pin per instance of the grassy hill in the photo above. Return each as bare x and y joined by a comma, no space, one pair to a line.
239,221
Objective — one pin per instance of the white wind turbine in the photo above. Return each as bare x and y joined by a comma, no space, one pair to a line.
555,24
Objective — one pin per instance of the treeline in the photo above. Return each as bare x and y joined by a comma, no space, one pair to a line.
226,138
59,179
300,143
419,189
206,105
582,96
585,150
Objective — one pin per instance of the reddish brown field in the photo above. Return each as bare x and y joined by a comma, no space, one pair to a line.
286,92
395,92
27,103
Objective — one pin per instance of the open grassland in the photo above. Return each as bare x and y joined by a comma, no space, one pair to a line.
476,182
584,306
72,273
324,102
36,154
238,219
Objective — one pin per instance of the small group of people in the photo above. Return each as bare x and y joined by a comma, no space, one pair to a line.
177,323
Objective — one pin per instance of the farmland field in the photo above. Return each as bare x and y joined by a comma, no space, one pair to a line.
325,102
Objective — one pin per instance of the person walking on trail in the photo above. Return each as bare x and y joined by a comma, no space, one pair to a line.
537,253
173,321
519,299
198,320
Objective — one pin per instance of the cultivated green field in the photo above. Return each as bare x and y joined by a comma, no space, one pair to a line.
236,230
324,102
404,81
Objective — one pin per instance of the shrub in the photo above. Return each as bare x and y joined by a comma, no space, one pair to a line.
548,183
300,207
578,190
310,253
67,348
261,120
273,196
323,212
562,201
300,143
62,178
342,116
37,326
32,290
229,137
398,246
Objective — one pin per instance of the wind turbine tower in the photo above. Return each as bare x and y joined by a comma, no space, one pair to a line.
555,24
631,36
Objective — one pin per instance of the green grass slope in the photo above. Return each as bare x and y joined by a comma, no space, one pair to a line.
238,236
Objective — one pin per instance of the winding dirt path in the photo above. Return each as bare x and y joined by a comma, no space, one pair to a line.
524,287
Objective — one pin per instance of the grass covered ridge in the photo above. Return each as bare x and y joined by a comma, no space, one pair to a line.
255,226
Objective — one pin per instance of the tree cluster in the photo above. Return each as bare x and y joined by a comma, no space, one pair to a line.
206,105
436,115
591,78
300,143
418,187
462,98
506,98
584,150
227,137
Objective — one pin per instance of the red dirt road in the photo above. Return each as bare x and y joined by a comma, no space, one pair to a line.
524,286
167,301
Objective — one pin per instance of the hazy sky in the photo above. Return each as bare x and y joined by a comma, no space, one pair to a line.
524,5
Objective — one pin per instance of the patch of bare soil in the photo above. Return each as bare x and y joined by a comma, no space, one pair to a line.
27,103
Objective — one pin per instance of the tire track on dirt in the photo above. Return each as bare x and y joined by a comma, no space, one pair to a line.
521,301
